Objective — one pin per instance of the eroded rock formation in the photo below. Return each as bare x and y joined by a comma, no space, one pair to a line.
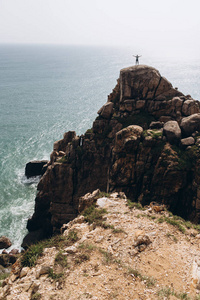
127,149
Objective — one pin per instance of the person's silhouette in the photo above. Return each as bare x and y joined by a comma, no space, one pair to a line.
137,59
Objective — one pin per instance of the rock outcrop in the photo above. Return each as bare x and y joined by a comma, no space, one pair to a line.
127,150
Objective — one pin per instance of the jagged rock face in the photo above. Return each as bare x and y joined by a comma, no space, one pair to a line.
142,89
122,153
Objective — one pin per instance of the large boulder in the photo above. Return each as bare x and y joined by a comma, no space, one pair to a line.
128,137
190,107
189,141
172,131
106,110
144,82
190,124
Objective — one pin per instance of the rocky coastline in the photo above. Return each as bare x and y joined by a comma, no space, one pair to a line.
145,142
121,198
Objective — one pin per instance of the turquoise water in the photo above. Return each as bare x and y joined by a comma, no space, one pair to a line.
48,90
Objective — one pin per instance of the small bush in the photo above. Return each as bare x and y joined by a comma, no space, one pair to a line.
173,221
186,158
131,204
107,226
149,281
57,241
134,272
3,277
61,259
81,258
35,296
154,133
103,194
85,250
87,246
63,160
92,214
31,255
118,230
108,258
88,131
169,235
166,292
72,236
54,276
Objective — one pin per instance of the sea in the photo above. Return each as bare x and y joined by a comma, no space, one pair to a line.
47,90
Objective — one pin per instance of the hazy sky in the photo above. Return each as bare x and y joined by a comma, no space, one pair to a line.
159,26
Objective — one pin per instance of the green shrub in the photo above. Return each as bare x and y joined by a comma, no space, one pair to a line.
54,276
92,214
61,259
57,241
166,292
186,158
137,205
173,221
63,160
103,194
3,277
81,258
154,133
72,236
87,246
150,281
31,255
108,258
34,251
88,131
35,296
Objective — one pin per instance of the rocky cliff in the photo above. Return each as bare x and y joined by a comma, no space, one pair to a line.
145,142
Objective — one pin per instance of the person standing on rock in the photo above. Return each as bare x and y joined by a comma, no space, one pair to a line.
137,59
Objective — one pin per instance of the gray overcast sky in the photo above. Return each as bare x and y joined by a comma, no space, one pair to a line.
170,26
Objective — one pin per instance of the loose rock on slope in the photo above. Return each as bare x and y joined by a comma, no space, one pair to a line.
130,255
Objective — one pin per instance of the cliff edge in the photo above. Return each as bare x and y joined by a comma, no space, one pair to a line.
145,143
114,250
